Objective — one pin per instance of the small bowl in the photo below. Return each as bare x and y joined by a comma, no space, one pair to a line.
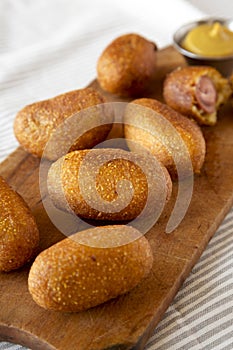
223,64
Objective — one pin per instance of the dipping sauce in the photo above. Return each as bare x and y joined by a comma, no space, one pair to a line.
210,39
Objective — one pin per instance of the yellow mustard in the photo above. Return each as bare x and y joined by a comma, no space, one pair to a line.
210,39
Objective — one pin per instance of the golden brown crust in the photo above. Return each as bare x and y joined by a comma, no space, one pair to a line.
72,277
127,65
180,87
231,82
35,123
144,128
19,235
64,184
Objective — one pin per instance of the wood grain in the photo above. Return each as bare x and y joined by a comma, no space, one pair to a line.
128,321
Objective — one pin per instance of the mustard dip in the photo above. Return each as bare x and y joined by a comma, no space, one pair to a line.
211,39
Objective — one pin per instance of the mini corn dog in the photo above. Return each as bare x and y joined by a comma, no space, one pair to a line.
73,276
127,65
19,235
35,124
196,92
105,171
142,127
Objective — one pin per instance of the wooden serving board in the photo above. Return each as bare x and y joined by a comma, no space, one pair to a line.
128,321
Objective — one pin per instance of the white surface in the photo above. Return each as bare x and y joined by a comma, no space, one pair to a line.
48,47
221,8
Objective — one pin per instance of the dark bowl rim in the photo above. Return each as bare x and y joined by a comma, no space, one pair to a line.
177,45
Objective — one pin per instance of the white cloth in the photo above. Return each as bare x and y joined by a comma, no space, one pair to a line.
49,47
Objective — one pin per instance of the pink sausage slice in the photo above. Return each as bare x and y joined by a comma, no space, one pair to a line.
206,94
